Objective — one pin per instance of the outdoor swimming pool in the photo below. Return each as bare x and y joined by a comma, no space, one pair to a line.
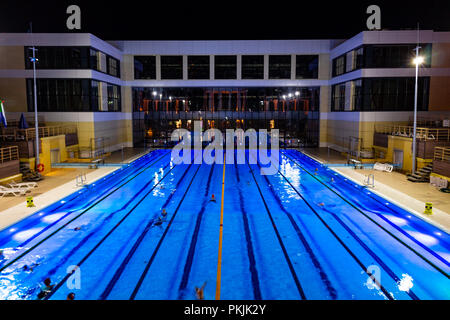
304,233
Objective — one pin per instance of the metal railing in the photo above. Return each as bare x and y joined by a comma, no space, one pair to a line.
442,154
9,154
30,134
437,134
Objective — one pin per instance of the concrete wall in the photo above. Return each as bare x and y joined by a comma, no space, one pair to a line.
439,94
13,92
12,57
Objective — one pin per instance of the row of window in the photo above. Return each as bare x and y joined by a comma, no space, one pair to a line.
380,56
380,94
225,67
73,95
297,130
72,58
226,99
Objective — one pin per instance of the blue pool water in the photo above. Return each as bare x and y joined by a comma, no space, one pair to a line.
303,233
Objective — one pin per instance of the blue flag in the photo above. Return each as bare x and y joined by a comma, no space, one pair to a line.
2,113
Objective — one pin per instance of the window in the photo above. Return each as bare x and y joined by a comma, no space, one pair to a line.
307,67
113,97
145,67
338,66
338,97
394,56
93,59
279,67
358,59
225,67
198,67
252,67
58,57
156,111
72,95
171,67
113,67
380,94
72,58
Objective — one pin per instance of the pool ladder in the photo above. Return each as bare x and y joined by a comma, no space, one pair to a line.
370,181
81,179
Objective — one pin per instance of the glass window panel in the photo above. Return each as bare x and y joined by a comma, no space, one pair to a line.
225,67
198,67
171,67
307,67
252,67
280,67
144,67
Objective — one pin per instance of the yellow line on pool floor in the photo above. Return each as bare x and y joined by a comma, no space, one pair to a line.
219,260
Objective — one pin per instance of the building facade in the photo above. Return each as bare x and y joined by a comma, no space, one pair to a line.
316,92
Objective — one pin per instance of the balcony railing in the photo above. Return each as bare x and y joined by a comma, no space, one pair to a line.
442,154
438,134
9,154
30,134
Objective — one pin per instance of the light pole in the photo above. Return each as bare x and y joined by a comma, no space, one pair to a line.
36,124
417,61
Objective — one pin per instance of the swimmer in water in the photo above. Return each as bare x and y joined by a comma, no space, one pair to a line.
199,292
30,268
78,228
71,296
45,289
164,213
321,204
213,198
158,222
2,256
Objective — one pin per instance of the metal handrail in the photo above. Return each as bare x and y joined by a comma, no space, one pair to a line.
30,134
442,154
9,154
437,134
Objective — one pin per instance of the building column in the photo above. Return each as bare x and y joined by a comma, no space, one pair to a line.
158,67
293,66
239,67
266,67
185,67
211,67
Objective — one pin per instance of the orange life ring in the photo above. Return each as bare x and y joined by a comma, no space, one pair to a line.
40,167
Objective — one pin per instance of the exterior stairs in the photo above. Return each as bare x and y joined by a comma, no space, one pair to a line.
422,175
28,175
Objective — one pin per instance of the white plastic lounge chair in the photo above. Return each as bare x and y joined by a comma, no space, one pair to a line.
383,167
30,185
14,191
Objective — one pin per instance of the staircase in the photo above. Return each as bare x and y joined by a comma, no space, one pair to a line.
28,175
422,175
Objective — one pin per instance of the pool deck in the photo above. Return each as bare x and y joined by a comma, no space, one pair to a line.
58,184
412,196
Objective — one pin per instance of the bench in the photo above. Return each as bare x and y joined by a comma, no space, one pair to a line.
94,163
356,163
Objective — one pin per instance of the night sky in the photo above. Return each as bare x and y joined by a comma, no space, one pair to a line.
207,20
